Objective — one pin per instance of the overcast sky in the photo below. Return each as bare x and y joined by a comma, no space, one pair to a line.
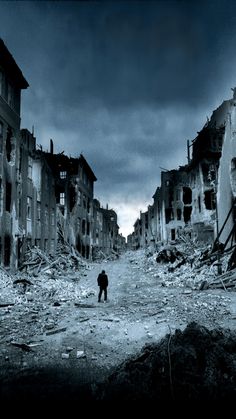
125,83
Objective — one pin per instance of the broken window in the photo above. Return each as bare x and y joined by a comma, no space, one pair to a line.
84,201
179,213
88,205
29,207
187,214
7,250
62,198
172,234
210,200
187,195
83,226
8,197
62,175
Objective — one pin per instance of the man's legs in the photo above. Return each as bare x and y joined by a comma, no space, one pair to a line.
100,294
105,294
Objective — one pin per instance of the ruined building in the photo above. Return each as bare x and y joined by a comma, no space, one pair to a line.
197,200
106,237
12,82
37,200
74,186
44,197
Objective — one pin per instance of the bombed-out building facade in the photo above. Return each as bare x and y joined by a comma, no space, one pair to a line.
44,197
198,199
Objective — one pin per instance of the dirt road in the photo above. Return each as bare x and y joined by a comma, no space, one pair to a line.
91,338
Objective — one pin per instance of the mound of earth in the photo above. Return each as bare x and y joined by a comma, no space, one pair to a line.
194,364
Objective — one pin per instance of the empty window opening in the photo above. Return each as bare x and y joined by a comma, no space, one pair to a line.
187,195
169,215
78,243
72,195
83,226
88,228
8,197
187,214
7,250
173,234
210,200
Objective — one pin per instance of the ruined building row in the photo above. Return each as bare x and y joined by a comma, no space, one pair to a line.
44,197
197,200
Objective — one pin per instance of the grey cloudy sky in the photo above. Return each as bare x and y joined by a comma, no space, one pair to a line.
125,83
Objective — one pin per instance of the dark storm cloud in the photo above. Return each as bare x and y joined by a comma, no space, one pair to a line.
126,83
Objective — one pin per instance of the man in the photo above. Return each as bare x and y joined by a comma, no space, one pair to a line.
103,284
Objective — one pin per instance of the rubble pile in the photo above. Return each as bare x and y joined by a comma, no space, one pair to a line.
190,266
36,297
37,261
196,364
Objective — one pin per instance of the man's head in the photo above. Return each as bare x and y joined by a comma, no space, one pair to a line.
103,271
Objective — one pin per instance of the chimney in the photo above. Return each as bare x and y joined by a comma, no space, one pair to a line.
107,206
51,146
